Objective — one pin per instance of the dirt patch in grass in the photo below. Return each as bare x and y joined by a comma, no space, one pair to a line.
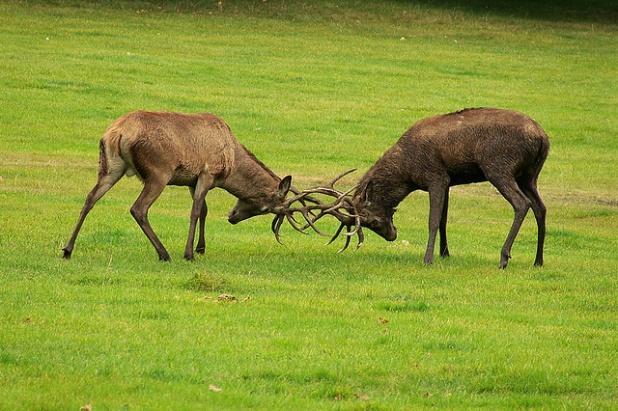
207,282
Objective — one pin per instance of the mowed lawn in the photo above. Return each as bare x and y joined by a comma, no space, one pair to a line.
312,89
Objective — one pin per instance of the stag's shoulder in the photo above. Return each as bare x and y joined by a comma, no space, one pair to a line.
216,121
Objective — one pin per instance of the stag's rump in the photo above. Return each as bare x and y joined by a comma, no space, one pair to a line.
175,146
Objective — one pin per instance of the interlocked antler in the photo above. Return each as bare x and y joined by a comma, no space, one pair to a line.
287,212
343,209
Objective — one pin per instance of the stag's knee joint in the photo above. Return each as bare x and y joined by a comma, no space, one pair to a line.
542,210
522,208
138,214
195,214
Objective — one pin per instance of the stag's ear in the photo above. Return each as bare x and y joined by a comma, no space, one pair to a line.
284,186
367,195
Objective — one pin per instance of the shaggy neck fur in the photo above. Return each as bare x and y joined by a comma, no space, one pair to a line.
251,179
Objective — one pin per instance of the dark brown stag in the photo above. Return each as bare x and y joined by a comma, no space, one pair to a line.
194,150
504,147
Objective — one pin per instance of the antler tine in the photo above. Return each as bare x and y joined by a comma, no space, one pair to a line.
310,223
303,198
276,225
345,194
357,226
339,177
361,239
300,196
296,192
322,190
294,223
341,227
347,240
348,236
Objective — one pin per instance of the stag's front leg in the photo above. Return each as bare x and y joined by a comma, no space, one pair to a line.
204,183
443,242
436,205
201,242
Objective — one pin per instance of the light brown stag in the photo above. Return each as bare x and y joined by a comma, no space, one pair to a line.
194,150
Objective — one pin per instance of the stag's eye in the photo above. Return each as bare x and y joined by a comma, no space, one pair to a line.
376,222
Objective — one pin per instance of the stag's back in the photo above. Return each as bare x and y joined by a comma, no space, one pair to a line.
181,145
476,138
477,135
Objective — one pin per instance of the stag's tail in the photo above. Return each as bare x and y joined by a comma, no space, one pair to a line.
103,167
541,156
112,155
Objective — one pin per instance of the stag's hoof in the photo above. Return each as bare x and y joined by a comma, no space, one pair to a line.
165,257
428,260
189,257
445,253
504,260
200,249
66,254
538,263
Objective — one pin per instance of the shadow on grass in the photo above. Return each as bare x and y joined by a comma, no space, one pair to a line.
602,11
599,11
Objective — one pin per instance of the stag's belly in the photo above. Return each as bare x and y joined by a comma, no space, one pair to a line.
465,173
183,176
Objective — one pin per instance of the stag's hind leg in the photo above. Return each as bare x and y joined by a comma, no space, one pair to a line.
204,183
103,185
151,191
538,207
508,187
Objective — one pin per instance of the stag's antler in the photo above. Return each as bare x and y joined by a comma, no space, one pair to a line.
286,212
343,209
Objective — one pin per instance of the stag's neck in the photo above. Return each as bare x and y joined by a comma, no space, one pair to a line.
250,178
388,183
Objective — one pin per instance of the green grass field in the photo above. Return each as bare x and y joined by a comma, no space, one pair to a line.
312,89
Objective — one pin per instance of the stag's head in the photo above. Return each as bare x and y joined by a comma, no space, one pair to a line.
273,203
373,213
